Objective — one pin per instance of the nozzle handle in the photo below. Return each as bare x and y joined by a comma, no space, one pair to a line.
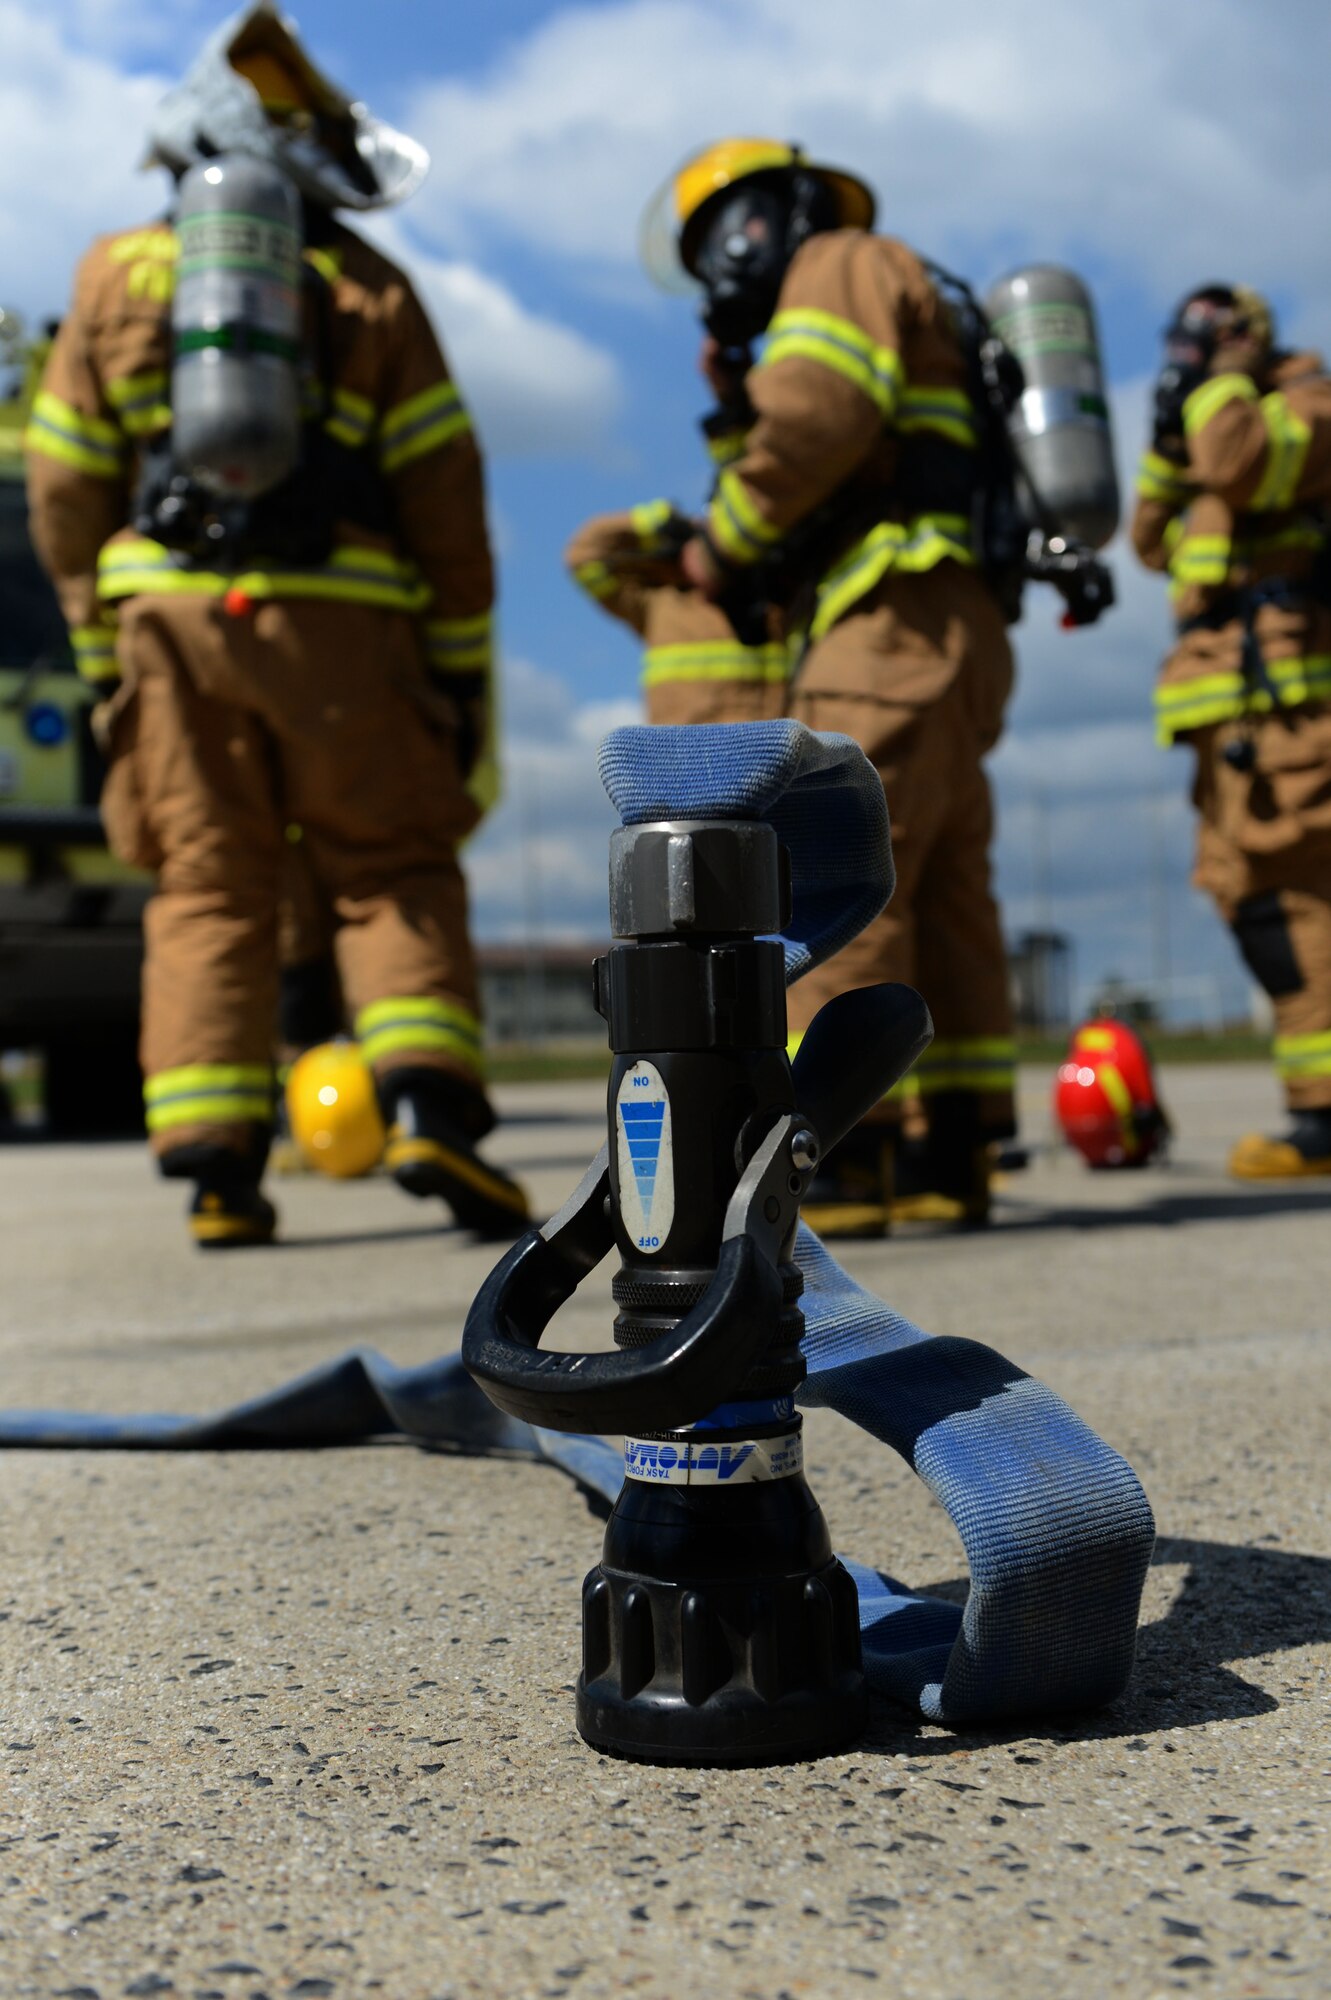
853,1051
672,1380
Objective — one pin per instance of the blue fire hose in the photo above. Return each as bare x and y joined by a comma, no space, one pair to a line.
1056,1529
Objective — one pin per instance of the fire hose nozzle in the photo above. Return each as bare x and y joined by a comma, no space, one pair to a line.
719,1627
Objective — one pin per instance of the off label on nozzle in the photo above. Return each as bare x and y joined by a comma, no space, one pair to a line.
646,1157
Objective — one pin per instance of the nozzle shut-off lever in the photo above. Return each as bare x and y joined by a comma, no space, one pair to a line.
718,1628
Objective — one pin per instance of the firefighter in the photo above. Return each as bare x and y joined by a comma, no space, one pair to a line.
1232,501
318,655
695,667
865,446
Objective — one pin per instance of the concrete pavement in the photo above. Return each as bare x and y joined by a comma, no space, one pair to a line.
282,1724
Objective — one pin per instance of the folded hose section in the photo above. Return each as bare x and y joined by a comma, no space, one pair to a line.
1056,1529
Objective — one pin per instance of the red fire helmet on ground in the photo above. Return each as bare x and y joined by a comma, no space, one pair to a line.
1105,1099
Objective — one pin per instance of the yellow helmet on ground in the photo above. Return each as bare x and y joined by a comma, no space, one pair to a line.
333,1111
665,235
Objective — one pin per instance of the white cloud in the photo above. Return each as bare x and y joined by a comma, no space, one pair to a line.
538,867
73,126
111,27
536,387
1169,144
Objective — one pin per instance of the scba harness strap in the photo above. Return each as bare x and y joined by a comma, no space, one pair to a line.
1056,1528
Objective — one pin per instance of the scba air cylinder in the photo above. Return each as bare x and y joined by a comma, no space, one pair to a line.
236,326
1060,429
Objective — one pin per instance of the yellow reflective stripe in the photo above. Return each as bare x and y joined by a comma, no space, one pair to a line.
1287,441
1204,561
1194,704
124,569
1203,403
459,645
209,1094
947,413
735,525
838,344
421,424
978,1048
963,1077
352,418
155,242
726,447
1201,559
1303,1055
387,1027
649,517
95,652
417,1007
910,546
1178,694
351,575
1298,680
1114,1085
194,1077
212,1108
596,579
968,1062
89,444
326,261
715,660
1158,478
1302,535
140,401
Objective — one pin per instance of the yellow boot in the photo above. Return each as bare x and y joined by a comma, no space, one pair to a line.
850,1197
1302,1154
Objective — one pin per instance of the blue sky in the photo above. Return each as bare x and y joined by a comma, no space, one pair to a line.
1150,148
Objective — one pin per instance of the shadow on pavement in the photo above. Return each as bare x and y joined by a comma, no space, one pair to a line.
1237,1602
1167,1211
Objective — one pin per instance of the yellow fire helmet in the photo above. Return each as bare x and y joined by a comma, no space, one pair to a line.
1256,312
255,90
663,236
333,1110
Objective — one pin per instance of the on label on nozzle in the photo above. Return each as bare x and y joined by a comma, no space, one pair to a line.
646,1157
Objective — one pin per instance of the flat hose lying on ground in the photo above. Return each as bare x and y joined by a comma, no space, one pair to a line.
1056,1528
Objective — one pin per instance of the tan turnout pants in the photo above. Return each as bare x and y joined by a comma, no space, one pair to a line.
919,674
1264,855
225,731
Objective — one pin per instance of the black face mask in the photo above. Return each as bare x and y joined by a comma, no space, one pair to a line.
1193,335
741,259
1191,339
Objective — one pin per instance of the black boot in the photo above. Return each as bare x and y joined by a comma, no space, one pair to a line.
227,1212
850,1196
945,1176
432,1125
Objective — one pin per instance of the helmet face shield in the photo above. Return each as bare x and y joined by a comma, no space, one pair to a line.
658,243
708,173
254,90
